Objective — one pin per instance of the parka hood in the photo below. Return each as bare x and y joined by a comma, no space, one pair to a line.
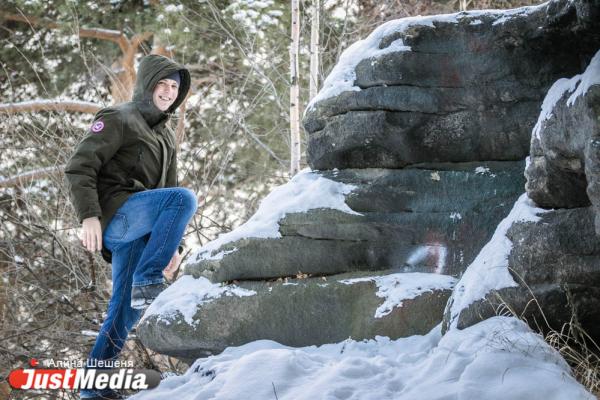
152,69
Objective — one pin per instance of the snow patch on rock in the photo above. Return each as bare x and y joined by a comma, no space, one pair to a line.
186,294
395,288
342,77
305,191
577,86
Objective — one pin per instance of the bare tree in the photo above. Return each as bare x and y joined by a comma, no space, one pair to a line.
295,91
314,50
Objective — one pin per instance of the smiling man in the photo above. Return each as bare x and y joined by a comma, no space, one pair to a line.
123,183
166,91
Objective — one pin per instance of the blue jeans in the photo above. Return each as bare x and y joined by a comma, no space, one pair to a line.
143,236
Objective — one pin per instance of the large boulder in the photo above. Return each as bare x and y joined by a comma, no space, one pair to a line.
564,170
194,318
551,274
459,87
429,120
434,218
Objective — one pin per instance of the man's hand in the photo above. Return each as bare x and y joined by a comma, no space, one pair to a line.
91,234
172,268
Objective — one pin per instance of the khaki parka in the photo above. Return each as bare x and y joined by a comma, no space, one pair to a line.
128,148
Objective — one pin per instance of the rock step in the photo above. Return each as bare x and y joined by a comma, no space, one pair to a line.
416,220
299,312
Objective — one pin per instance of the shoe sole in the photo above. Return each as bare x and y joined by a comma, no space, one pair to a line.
139,304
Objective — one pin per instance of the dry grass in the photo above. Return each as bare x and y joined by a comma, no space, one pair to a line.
580,351
573,343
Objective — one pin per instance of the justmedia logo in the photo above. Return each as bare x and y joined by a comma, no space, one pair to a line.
34,378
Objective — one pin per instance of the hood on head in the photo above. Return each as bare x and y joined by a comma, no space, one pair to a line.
152,69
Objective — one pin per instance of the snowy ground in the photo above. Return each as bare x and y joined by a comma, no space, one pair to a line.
500,358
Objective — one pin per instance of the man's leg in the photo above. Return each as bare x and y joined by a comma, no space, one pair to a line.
120,317
164,215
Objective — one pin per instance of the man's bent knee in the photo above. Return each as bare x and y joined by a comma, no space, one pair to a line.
189,200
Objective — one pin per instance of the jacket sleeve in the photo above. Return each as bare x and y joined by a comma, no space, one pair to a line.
172,172
102,141
171,180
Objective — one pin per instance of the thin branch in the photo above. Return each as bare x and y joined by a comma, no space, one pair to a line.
49,105
27,177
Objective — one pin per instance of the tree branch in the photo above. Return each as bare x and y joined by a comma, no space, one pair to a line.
49,105
122,83
27,177
104,34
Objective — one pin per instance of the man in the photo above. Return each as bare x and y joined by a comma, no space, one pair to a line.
123,183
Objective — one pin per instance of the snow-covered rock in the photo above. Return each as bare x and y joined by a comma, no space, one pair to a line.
489,271
430,219
565,146
541,265
458,87
194,317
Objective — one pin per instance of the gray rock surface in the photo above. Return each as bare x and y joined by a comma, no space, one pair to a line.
418,142
434,218
555,261
297,313
564,170
466,91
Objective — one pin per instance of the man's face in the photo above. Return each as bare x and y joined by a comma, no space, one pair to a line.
165,93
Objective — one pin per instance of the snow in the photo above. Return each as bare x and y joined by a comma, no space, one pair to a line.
305,191
556,91
253,14
508,14
342,77
577,85
497,359
395,288
220,254
172,8
455,216
186,294
589,78
489,270
483,171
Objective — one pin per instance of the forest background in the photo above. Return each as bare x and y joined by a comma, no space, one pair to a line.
62,60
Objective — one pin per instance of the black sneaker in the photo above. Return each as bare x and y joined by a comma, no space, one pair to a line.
143,296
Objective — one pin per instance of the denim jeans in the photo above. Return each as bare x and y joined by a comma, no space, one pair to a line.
143,236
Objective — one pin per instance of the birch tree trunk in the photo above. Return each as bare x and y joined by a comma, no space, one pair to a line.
295,91
314,51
